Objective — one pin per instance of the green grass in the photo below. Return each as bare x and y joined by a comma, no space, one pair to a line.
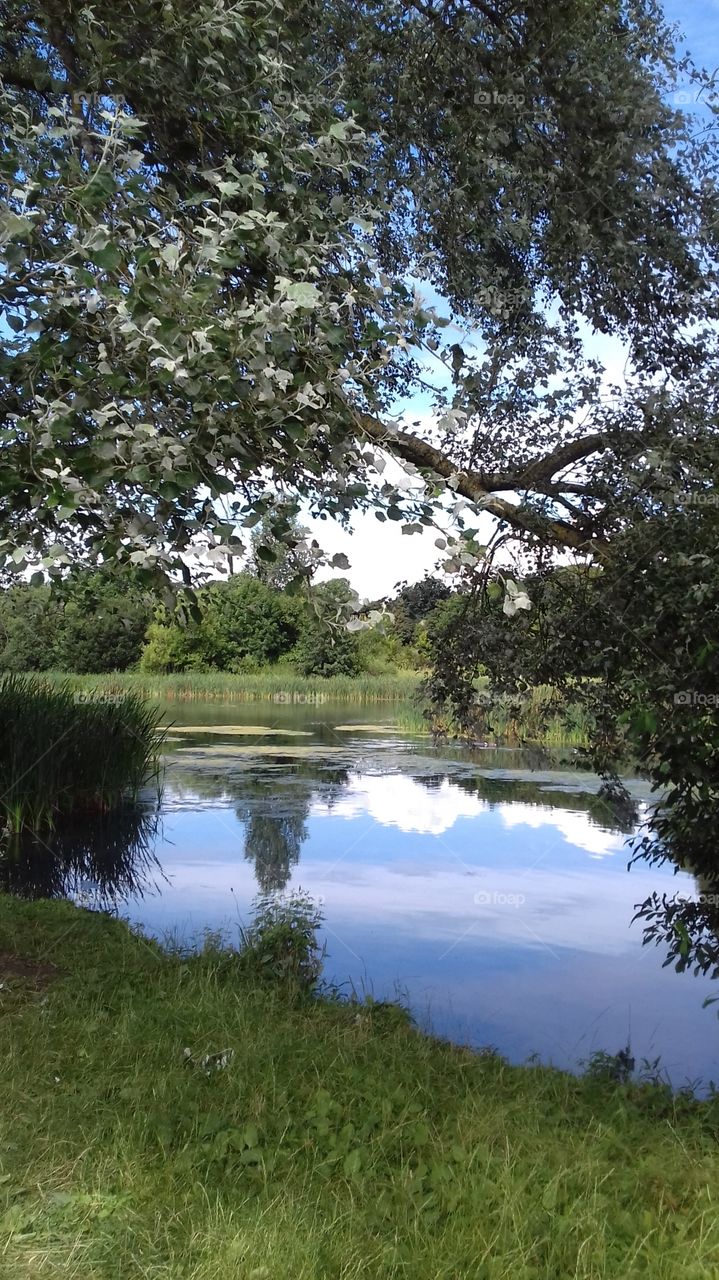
534,718
337,1143
63,752
279,684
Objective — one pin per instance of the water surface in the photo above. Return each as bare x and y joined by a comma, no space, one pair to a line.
487,888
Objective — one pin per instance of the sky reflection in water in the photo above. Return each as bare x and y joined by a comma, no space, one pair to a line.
500,907
500,910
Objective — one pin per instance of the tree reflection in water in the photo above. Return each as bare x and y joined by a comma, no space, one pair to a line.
106,859
275,819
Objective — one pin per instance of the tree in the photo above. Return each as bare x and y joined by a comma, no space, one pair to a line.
101,621
280,554
28,628
205,284
238,624
245,621
209,287
325,651
88,622
415,602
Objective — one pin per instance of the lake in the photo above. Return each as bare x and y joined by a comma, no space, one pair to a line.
487,890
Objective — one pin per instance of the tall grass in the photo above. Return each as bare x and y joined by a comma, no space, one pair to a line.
64,752
533,718
279,685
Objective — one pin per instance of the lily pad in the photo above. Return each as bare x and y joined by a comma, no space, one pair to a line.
365,728
242,730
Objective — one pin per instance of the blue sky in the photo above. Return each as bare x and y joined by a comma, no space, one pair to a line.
699,20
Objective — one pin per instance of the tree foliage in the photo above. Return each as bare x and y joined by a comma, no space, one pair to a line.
279,551
238,625
210,217
90,622
217,223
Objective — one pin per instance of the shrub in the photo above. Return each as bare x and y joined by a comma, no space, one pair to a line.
327,651
243,619
101,622
88,623
281,944
170,647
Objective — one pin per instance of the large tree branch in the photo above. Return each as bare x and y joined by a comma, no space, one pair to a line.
479,488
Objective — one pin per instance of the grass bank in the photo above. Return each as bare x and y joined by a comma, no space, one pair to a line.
334,1143
64,751
277,685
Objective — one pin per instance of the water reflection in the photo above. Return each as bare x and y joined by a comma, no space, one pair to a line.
275,831
97,860
500,903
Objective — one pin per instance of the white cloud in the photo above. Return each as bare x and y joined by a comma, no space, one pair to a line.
403,802
577,828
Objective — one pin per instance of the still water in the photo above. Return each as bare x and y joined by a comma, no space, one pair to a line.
490,892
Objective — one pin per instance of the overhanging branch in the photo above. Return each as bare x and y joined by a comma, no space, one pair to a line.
480,488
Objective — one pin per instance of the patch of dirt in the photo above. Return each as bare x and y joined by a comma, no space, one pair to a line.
37,973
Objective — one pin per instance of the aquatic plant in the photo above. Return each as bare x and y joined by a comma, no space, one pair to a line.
279,684
532,718
64,752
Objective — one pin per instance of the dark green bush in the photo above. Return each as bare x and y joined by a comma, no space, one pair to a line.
281,944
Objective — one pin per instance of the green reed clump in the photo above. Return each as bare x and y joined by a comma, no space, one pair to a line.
64,752
535,717
276,684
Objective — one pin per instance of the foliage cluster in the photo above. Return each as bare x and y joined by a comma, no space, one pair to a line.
89,622
102,621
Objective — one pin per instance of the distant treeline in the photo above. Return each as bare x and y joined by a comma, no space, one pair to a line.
108,620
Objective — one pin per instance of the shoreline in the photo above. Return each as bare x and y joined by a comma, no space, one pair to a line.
311,1138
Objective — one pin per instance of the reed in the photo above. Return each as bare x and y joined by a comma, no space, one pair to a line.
532,719
279,684
64,751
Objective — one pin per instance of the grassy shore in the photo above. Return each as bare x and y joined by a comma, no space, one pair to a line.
335,1142
278,684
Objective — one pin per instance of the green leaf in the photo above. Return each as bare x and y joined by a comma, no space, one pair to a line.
352,1163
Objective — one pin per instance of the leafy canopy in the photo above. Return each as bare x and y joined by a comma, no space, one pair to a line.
213,220
218,222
